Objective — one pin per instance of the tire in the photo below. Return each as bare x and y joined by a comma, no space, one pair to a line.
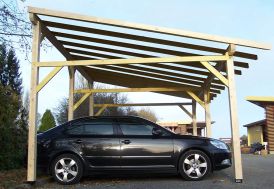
67,169
194,165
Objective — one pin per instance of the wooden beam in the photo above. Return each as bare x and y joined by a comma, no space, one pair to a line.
219,67
194,118
143,27
48,34
133,81
207,113
77,104
143,104
196,98
48,78
136,46
130,61
32,138
91,99
215,72
185,110
234,122
168,73
71,92
127,69
151,89
145,39
100,111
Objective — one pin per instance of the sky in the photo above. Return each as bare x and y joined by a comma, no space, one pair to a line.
246,19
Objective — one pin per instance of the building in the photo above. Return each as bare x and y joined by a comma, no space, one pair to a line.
256,132
262,130
184,127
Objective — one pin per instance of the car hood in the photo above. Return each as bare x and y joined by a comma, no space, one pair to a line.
178,136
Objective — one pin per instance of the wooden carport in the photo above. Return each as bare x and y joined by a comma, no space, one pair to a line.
138,57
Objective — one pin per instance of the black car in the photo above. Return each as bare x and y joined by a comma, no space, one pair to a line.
94,145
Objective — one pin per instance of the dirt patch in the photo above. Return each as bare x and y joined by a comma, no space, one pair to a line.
12,178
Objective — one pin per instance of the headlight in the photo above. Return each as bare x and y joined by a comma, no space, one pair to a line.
219,144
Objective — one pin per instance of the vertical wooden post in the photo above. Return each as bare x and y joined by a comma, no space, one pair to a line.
32,138
207,112
71,92
194,118
234,121
91,100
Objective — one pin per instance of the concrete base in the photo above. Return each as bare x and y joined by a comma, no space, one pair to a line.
239,180
271,152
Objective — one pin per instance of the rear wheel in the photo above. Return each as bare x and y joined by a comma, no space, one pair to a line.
194,165
67,169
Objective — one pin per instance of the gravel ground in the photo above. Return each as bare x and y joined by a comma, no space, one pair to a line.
258,173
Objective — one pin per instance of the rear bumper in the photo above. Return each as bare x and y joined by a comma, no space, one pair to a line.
221,159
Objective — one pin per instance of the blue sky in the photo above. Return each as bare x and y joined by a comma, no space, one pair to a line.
247,19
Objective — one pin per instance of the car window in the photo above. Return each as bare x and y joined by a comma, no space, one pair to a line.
99,128
76,130
91,127
136,129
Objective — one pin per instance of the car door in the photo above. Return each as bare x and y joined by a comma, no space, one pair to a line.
140,149
99,142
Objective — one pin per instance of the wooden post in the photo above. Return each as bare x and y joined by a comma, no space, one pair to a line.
194,118
91,100
71,92
207,112
234,121
32,138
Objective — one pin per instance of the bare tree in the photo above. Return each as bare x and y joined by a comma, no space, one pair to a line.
147,114
15,29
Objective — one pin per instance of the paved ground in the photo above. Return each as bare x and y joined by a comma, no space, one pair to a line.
258,173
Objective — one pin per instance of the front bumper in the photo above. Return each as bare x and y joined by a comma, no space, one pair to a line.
221,159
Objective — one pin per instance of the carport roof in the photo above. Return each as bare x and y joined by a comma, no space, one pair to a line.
261,100
80,37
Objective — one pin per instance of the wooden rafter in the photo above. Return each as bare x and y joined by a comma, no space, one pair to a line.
146,39
135,46
159,76
143,27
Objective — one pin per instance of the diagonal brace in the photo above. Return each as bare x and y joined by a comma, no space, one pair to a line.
77,104
47,78
185,110
195,97
101,110
214,71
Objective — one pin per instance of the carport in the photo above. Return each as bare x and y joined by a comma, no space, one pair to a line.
138,58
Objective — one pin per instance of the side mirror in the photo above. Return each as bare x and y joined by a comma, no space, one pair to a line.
156,131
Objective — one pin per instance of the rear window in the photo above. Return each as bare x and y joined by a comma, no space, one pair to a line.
91,127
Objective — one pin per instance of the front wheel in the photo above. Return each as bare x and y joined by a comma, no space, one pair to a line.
194,165
67,169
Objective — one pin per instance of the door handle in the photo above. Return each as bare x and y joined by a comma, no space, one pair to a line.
126,141
78,141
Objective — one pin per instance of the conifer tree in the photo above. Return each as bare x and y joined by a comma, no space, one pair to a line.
47,121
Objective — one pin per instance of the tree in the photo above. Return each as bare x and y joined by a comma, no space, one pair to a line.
15,28
47,121
244,140
13,120
61,111
147,114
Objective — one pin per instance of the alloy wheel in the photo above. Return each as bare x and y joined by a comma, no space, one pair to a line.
66,169
195,166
